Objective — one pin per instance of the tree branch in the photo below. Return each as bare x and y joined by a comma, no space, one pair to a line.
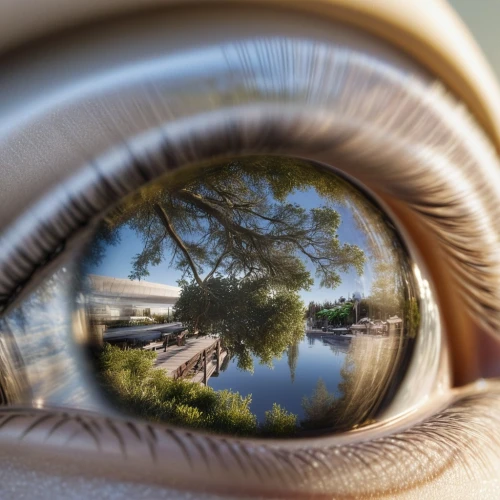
162,214
219,260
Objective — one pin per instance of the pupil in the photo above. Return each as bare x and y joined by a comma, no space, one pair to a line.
264,296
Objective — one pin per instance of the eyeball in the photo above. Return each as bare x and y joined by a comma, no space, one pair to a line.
261,296
317,205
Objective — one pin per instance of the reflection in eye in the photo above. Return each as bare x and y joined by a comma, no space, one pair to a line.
264,296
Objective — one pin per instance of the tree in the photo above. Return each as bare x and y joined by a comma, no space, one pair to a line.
319,408
252,317
235,220
244,249
315,307
337,314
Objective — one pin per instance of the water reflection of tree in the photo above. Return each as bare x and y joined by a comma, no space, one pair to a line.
293,357
368,370
318,408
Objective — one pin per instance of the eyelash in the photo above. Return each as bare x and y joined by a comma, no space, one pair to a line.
92,193
311,465
397,462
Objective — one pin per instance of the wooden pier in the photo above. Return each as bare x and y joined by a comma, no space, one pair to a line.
179,361
333,331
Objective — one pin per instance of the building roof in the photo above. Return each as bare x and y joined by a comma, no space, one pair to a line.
125,289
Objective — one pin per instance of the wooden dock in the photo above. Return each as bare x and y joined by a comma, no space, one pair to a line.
202,377
334,331
179,361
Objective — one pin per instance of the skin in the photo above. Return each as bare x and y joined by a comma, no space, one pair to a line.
447,447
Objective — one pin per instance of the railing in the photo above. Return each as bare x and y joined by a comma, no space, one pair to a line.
203,359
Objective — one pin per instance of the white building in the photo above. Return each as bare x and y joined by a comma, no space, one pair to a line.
115,298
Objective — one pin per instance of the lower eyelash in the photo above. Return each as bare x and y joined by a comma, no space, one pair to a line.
460,435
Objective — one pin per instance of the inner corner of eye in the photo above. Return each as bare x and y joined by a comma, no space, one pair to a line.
268,297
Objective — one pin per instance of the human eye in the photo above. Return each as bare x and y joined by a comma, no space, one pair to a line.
109,130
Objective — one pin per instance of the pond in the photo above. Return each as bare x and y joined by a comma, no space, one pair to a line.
290,377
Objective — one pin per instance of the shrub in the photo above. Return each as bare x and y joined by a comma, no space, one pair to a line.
319,409
232,414
130,380
279,422
121,323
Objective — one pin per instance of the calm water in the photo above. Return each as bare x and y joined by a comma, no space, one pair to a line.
316,359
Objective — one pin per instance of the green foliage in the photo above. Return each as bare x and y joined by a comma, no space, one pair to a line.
315,307
122,323
411,316
319,408
135,387
279,422
162,318
129,378
337,314
135,363
251,317
233,414
235,220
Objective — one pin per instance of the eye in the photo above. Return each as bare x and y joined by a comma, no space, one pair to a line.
333,105
294,290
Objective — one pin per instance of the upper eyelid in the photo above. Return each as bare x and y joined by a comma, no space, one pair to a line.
42,233
271,127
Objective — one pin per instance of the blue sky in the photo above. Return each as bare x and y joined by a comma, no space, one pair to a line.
117,262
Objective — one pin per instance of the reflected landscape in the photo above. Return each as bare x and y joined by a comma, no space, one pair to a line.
264,296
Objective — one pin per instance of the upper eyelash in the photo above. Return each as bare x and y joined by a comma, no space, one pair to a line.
85,199
15,274
458,435
449,154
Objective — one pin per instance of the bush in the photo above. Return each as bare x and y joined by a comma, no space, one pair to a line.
122,323
130,380
137,362
319,409
162,318
279,422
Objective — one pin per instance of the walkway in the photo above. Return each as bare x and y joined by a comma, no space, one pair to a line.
177,361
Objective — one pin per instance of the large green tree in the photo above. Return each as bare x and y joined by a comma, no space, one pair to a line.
244,248
236,220
337,314
252,317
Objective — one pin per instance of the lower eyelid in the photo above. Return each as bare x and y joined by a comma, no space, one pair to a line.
459,435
